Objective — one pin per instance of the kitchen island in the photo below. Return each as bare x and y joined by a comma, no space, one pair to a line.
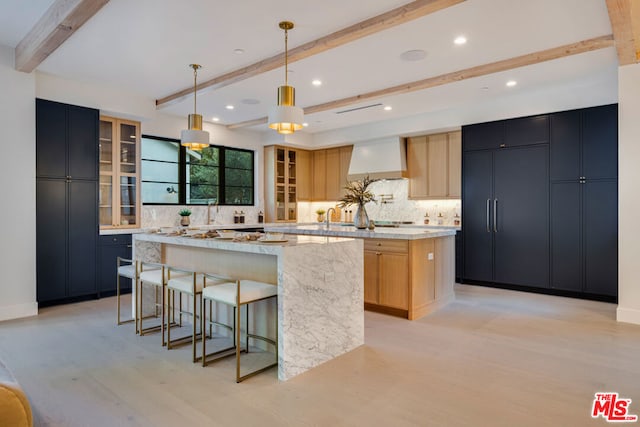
408,272
320,287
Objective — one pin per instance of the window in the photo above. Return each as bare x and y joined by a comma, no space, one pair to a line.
171,174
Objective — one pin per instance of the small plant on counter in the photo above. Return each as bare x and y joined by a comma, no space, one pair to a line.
184,212
320,213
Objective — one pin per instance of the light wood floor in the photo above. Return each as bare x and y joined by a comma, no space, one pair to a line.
491,358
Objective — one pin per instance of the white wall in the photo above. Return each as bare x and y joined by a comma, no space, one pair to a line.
17,175
556,98
629,195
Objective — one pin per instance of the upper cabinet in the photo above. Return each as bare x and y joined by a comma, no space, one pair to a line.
330,170
119,197
434,166
280,183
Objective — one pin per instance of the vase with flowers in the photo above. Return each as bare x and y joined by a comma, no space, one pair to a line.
358,193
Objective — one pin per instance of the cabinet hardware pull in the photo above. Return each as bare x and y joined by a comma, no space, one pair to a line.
495,215
378,253
488,209
129,246
503,145
379,244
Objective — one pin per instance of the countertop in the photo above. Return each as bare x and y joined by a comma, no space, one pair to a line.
271,248
403,233
109,231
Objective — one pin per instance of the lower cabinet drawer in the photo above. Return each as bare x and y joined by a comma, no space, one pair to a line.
387,245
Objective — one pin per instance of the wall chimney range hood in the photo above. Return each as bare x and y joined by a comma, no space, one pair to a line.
383,158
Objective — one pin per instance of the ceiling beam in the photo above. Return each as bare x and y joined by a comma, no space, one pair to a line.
456,76
392,18
57,24
622,23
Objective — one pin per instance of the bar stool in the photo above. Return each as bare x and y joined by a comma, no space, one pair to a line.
157,275
189,283
237,294
130,271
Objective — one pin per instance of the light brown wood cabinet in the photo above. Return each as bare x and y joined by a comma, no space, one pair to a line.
401,279
434,166
330,170
280,184
305,173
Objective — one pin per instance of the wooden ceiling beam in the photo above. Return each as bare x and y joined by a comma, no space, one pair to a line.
392,18
58,23
456,76
620,15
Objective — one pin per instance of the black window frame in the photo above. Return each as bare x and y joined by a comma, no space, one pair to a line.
182,174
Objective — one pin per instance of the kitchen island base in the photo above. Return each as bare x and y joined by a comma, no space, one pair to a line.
320,288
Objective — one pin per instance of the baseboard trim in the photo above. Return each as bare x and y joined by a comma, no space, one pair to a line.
628,315
18,311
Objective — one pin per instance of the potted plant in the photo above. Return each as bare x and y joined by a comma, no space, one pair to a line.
358,193
320,213
184,213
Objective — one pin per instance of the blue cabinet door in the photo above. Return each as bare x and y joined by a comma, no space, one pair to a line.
477,196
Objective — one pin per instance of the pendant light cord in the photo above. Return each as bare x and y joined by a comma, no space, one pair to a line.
195,76
286,58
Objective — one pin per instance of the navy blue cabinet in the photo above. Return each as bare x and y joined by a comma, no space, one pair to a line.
505,216
584,201
539,203
111,247
66,201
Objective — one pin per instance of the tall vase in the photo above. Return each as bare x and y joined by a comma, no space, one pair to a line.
361,221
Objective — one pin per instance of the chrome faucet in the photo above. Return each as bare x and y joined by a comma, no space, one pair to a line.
209,203
328,218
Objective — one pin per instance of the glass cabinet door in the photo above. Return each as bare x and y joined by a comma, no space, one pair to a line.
119,160
105,195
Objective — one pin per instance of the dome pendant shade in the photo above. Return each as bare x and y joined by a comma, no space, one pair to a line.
194,137
285,117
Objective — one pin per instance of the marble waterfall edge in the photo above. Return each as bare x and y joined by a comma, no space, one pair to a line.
312,331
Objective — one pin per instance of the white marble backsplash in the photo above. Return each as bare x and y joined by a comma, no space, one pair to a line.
400,208
167,215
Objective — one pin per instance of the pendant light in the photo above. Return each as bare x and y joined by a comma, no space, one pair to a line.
194,137
286,117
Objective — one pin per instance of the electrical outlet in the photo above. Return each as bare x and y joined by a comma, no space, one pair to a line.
430,256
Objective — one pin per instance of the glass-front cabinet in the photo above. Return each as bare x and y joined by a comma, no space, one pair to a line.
280,184
119,196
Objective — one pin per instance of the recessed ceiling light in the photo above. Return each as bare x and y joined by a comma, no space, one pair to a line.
460,40
238,51
316,82
229,107
387,108
413,55
305,124
215,119
512,83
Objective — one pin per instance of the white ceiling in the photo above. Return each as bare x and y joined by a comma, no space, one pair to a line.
145,46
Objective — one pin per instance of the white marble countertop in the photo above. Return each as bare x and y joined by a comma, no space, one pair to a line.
259,247
110,231
409,233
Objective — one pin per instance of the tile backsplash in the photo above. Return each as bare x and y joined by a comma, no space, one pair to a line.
397,208
167,215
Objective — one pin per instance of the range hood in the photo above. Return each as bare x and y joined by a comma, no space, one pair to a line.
383,158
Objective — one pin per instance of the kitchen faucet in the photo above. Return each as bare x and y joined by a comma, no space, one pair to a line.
209,203
328,218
